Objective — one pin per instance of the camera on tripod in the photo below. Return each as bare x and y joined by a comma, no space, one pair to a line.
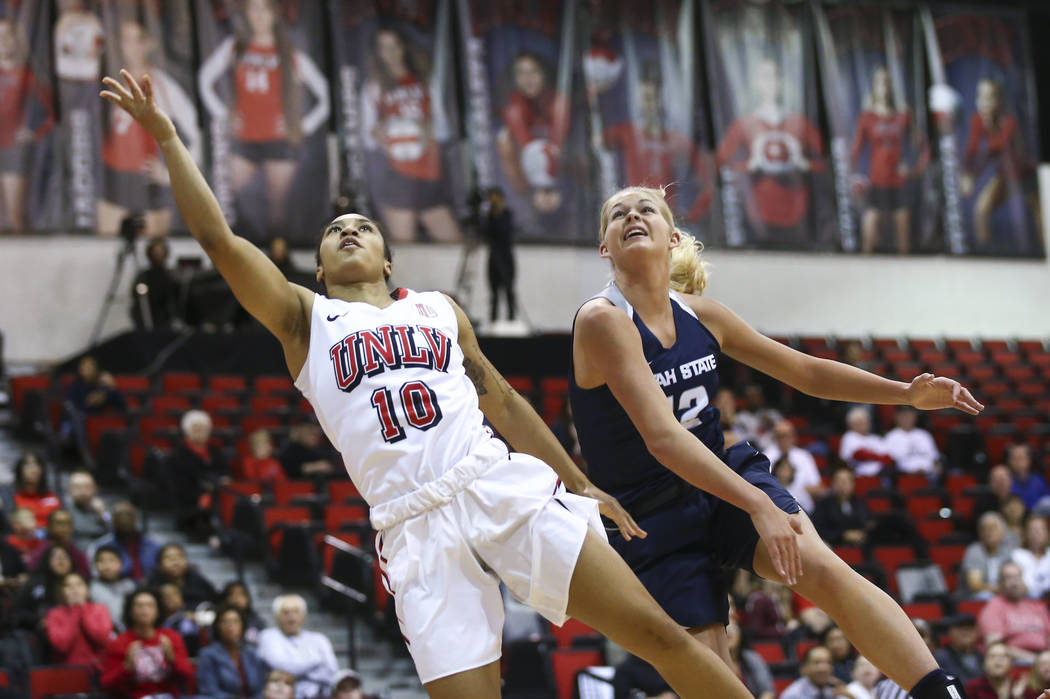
131,227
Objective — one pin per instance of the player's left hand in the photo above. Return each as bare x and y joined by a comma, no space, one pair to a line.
611,508
929,392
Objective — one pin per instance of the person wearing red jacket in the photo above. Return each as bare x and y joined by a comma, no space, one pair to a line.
261,465
145,659
78,629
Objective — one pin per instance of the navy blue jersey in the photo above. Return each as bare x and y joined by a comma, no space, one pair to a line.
617,459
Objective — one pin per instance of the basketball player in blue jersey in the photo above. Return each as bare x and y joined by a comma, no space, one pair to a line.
397,384
657,447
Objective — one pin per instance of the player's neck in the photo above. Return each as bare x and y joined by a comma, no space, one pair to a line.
647,292
375,293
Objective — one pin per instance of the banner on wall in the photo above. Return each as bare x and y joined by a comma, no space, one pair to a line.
983,97
771,154
397,117
887,197
267,107
644,95
30,195
526,114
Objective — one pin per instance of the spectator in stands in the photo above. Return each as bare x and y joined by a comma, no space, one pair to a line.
90,518
865,677
998,490
155,293
303,455
995,682
199,469
925,631
137,551
1034,557
43,589
78,629
31,489
347,685
749,665
806,484
1013,512
1039,677
767,612
817,681
634,677
60,531
840,516
979,572
279,685
757,419
725,401
108,587
307,655
236,595
228,667
1022,624
145,660
172,567
960,657
865,452
176,617
91,392
23,537
279,253
260,464
912,447
13,570
1030,486
842,653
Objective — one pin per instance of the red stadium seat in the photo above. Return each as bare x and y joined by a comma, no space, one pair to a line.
254,422
180,382
1031,347
521,384
273,384
68,679
566,663
852,555
865,484
341,491
218,403
923,343
947,556
20,385
223,383
879,504
283,493
1019,372
781,683
131,383
921,506
929,611
273,516
155,429
935,528
969,357
896,356
1032,389
971,606
771,651
173,405
230,493
1005,358
962,506
991,390
979,372
335,516
95,425
893,557
802,647
572,629
932,356
908,483
957,483
269,404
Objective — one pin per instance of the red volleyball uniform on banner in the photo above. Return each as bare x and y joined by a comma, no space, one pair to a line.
1001,149
260,112
127,146
545,118
404,114
781,197
16,86
885,136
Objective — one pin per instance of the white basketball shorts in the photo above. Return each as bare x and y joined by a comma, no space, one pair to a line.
444,548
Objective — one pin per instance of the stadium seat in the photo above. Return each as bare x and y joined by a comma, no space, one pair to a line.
782,683
979,372
947,556
879,504
1005,358
957,483
1019,372
283,493
566,663
95,425
932,357
853,555
254,422
933,529
802,647
921,506
52,680
132,383
224,383
274,517
865,484
892,557
338,516
266,404
173,405
273,384
928,611
962,506
230,493
156,430
567,634
220,403
771,651
970,606
180,382
521,384
908,483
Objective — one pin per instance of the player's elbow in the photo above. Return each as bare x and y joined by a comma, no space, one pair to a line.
663,442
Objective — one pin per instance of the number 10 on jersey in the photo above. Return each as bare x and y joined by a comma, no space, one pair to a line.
419,406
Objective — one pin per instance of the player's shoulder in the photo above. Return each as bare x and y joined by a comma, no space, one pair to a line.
600,315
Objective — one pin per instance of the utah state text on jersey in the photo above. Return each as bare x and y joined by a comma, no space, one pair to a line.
388,347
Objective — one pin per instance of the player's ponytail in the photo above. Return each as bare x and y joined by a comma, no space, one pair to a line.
688,270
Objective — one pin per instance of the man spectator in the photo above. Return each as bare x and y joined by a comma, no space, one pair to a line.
497,229
108,587
60,531
911,447
90,518
756,418
138,553
865,452
817,681
732,429
1022,624
303,455
994,497
841,517
92,390
979,573
1031,487
155,293
347,685
995,682
960,657
305,654
23,537
806,485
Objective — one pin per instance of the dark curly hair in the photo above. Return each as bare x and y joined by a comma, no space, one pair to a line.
20,465
129,604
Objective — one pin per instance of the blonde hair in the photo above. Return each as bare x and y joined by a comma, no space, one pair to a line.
688,271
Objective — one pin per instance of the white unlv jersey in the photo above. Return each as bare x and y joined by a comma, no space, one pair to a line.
390,391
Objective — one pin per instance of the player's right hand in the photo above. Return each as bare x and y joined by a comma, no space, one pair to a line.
780,532
138,101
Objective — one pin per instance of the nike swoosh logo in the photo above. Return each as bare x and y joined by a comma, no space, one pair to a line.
340,315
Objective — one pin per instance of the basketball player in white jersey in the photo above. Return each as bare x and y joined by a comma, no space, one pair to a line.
397,385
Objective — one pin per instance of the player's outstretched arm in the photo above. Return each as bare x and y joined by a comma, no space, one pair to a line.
260,287
613,348
825,378
514,418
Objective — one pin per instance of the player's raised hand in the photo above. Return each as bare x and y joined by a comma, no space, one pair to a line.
137,100
611,508
929,392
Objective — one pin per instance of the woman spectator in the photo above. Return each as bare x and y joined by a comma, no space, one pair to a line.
145,660
236,595
279,685
229,667
177,618
43,589
108,587
31,489
1013,512
260,464
197,468
841,653
749,665
172,567
865,677
1038,678
78,629
995,682
1034,557
768,613
60,531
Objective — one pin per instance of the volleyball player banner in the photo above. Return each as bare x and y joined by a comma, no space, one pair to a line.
771,154
872,64
647,124
527,114
266,102
30,191
397,120
984,101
